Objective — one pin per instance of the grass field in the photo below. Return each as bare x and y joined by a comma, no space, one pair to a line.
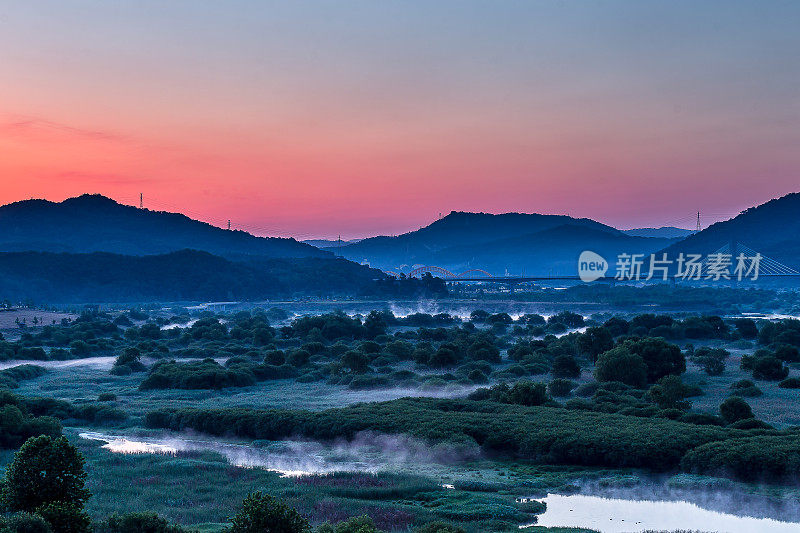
480,493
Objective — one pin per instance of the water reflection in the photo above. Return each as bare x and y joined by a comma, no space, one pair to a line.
614,515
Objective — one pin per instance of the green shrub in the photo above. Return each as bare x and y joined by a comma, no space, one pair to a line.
734,409
205,374
551,434
746,389
66,517
565,366
619,364
261,513
24,523
138,523
758,458
358,524
769,368
439,527
561,387
17,423
790,383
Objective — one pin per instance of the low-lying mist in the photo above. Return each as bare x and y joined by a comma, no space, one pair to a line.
366,452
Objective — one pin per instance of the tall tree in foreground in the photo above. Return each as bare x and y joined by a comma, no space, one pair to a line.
46,477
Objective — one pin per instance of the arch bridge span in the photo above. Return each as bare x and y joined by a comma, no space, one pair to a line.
446,274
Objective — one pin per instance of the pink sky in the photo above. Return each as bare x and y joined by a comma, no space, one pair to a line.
338,127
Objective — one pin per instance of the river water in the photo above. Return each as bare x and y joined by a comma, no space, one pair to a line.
617,515
649,505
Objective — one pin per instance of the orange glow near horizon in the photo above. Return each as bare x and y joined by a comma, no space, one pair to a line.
377,119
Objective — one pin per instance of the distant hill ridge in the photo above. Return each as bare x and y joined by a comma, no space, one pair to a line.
460,228
95,223
185,275
772,228
666,232
534,243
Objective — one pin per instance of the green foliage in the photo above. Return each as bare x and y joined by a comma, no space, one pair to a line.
483,349
670,393
523,392
261,513
332,326
734,409
757,458
298,358
620,364
745,388
568,318
205,374
594,341
138,523
769,368
783,332
45,471
190,275
790,383
374,324
445,357
10,377
356,362
555,434
565,366
787,353
129,361
662,358
746,327
18,424
561,387
24,523
359,524
66,517
39,416
439,527
401,349
712,360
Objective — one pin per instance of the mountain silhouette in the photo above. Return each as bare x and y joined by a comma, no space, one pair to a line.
553,251
95,223
772,229
514,242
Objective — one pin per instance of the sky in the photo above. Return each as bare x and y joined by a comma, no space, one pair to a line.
356,118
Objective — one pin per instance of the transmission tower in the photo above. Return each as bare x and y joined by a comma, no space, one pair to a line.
141,201
698,221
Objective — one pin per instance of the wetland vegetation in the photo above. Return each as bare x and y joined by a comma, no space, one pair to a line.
189,419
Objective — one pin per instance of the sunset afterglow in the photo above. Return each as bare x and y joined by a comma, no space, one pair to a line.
314,119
